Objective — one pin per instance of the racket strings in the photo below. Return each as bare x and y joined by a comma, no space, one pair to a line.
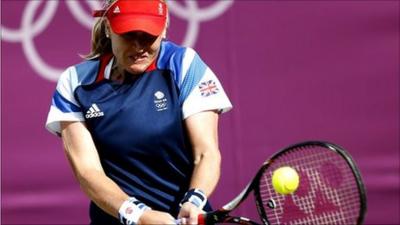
328,191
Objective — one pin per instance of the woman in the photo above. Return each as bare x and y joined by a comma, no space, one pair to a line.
138,120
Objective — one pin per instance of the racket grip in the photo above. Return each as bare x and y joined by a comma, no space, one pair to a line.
201,219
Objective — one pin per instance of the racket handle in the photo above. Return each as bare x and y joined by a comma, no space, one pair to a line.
201,219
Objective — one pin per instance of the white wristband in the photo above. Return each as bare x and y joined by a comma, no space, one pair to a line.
131,210
196,197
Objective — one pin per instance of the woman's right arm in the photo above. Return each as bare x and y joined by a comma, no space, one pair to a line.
85,162
105,193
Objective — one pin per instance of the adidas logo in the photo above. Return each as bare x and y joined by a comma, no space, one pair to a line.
160,9
116,10
93,112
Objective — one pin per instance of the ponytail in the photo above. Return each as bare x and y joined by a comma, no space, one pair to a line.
100,43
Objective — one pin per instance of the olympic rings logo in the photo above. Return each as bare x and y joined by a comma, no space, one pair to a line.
30,29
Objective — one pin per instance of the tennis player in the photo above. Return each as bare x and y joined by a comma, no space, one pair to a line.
138,120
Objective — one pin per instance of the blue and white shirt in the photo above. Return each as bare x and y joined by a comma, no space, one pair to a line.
138,126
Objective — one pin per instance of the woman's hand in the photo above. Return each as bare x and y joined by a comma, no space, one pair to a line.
189,213
156,217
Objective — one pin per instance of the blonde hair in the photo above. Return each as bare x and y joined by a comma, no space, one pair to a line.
100,43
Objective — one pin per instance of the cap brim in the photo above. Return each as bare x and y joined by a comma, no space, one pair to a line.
153,25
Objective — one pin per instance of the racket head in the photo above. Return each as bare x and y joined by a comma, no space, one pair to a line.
330,191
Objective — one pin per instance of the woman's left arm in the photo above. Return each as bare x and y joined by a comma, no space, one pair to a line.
202,130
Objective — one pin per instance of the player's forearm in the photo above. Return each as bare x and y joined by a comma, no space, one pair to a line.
207,158
102,191
206,171
84,160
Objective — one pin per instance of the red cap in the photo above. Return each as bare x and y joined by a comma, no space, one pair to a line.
125,16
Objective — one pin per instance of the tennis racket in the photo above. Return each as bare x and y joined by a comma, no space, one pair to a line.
330,190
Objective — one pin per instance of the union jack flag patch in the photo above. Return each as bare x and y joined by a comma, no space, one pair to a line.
208,88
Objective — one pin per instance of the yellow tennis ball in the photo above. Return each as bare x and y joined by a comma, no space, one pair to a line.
285,180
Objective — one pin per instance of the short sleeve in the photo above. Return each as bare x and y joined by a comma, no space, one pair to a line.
204,90
64,106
